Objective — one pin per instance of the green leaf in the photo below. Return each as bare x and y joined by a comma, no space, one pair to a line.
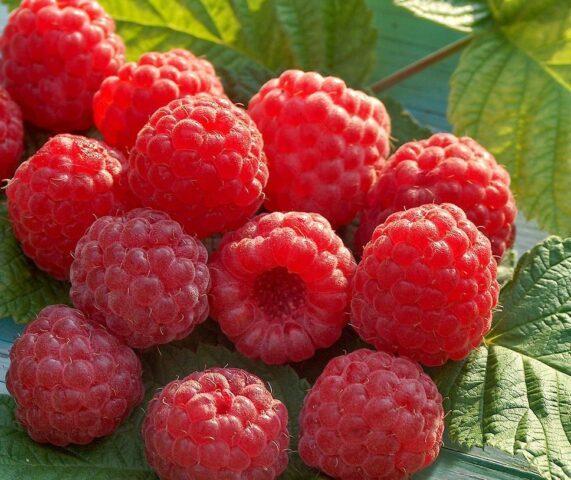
514,392
512,92
404,127
463,15
506,267
167,363
24,289
11,4
249,41
118,457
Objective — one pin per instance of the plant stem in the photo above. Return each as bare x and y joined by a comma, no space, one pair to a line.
420,65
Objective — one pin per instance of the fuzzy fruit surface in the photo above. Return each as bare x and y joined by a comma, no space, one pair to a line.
72,381
142,277
11,135
281,286
222,423
371,416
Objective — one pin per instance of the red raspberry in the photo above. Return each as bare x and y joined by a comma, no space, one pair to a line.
324,143
281,285
55,55
142,277
218,424
11,135
201,160
58,192
426,285
72,381
125,101
371,416
445,169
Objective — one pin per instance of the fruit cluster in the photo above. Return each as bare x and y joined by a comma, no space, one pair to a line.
124,218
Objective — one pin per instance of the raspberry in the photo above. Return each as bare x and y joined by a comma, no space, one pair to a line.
55,55
201,160
142,277
371,416
324,143
218,424
58,192
11,135
281,285
125,101
426,285
443,169
72,381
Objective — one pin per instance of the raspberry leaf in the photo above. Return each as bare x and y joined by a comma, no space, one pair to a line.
404,127
514,392
512,92
24,289
118,457
463,15
249,42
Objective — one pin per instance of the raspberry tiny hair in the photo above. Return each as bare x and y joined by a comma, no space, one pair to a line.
55,54
371,416
72,381
58,192
201,160
125,101
281,286
11,135
440,169
219,423
426,285
324,143
142,277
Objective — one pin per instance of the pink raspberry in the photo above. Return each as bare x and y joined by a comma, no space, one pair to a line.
426,285
442,169
371,416
201,160
11,135
125,101
281,286
55,55
72,381
222,423
324,143
142,277
58,192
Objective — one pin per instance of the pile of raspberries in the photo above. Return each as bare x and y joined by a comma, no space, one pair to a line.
124,220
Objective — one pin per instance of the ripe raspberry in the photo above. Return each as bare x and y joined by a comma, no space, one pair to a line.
426,285
201,160
11,135
281,285
443,169
324,143
218,424
142,277
58,192
72,381
371,416
126,101
55,55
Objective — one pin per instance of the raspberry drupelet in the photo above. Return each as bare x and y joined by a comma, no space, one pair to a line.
221,423
324,143
58,192
201,160
371,416
72,381
55,54
281,286
11,135
125,101
142,277
444,168
426,285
